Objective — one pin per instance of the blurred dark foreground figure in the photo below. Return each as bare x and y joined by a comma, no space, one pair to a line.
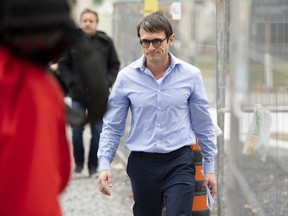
34,153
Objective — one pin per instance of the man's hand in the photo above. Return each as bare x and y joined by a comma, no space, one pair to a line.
210,181
105,181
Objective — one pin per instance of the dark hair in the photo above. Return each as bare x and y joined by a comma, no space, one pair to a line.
155,22
88,10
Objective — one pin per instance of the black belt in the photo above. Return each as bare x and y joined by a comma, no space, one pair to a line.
161,156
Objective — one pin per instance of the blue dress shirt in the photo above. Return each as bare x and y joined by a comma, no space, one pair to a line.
165,116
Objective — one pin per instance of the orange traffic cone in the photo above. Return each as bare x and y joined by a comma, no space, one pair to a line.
199,207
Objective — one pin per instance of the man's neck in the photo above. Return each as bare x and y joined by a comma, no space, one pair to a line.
158,69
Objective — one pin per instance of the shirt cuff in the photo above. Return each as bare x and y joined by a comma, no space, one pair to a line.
208,167
104,164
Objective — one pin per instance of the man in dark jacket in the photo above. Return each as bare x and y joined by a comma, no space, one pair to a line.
100,46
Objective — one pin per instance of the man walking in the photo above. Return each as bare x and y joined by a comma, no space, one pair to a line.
71,65
169,109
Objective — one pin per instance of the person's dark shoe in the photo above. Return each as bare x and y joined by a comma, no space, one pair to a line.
78,169
92,172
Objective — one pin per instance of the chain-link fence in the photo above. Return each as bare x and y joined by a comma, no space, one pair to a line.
259,101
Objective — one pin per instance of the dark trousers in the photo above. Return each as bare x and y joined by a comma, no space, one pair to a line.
160,180
77,140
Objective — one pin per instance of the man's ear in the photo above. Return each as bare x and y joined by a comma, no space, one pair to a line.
171,39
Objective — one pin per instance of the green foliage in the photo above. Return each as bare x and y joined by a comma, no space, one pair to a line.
199,1
207,67
95,1
98,1
257,74
73,1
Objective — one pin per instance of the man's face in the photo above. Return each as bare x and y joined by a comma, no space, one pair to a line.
152,53
88,23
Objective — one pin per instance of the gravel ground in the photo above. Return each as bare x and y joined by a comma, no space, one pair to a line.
82,197
269,184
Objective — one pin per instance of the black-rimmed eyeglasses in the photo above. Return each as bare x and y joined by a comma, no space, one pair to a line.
156,42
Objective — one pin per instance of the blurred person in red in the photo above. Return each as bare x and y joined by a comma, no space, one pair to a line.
34,153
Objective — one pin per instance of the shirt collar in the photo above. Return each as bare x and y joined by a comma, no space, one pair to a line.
140,63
